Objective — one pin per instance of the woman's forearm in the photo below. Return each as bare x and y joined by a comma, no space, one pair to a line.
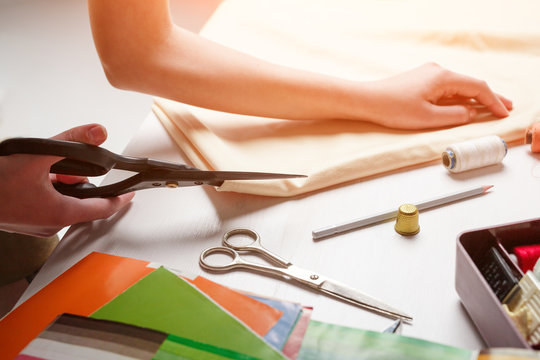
142,50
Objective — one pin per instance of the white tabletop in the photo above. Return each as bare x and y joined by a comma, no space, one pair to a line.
414,274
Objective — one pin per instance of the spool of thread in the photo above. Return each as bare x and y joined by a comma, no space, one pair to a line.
527,256
474,154
532,136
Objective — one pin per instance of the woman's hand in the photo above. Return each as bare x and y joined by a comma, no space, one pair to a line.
430,97
31,205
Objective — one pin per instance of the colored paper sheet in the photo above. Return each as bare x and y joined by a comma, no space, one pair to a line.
328,341
78,337
163,301
292,347
278,335
258,315
94,281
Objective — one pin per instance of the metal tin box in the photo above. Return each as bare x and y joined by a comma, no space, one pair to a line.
478,298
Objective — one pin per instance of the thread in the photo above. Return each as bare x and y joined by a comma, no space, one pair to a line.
532,136
527,256
474,154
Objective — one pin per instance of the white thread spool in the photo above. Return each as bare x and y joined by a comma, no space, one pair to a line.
473,154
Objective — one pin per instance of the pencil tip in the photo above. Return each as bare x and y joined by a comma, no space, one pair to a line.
487,187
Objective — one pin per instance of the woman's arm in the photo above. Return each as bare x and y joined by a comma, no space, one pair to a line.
141,49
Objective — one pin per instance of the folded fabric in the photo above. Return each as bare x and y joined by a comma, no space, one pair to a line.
359,40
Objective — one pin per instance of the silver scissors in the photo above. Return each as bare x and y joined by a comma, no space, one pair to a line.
289,271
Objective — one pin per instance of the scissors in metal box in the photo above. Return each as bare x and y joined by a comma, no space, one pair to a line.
89,160
287,270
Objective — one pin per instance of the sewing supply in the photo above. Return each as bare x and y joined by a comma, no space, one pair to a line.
532,136
89,160
288,271
525,308
473,154
499,275
527,256
392,214
407,220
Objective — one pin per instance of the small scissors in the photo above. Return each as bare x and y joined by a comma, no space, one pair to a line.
89,160
290,271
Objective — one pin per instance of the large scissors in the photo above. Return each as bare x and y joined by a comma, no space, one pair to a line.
89,160
289,271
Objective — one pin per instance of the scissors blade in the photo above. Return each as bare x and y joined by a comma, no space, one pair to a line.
346,293
247,175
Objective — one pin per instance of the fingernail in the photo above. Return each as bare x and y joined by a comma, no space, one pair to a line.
97,134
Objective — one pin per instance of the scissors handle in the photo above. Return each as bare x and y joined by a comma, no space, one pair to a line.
236,263
254,245
82,159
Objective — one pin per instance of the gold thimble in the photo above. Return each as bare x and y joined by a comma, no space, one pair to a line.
407,220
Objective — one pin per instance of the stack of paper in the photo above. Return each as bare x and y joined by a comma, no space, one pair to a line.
200,319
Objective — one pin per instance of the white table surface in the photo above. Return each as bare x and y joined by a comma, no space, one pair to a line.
414,274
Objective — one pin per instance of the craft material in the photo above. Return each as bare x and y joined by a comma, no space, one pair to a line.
499,275
392,214
525,308
532,136
78,337
395,328
407,220
287,270
294,343
89,160
527,256
473,154
328,342
278,335
97,279
165,302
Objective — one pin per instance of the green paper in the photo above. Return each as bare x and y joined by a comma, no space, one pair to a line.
165,302
175,348
327,341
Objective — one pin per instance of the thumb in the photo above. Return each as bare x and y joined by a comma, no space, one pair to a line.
93,134
452,115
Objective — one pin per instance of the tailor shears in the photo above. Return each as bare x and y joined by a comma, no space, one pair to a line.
287,270
89,160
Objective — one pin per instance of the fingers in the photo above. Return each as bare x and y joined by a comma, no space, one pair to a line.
469,87
93,134
99,208
453,115
507,102
67,179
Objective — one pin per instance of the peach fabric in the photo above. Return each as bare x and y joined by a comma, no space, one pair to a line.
498,41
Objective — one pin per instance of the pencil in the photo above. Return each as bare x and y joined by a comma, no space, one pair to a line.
392,214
